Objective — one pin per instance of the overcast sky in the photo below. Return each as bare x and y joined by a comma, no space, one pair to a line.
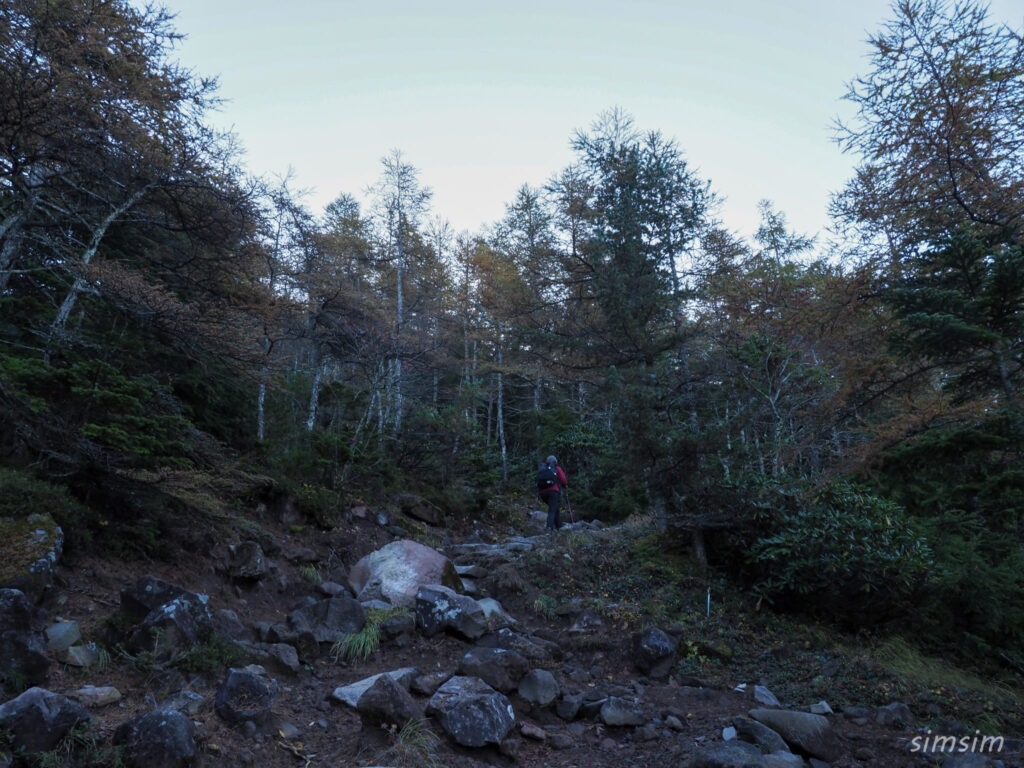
483,96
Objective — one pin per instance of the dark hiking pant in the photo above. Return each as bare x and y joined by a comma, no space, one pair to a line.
553,499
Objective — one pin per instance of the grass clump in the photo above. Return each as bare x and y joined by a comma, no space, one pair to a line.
414,745
360,645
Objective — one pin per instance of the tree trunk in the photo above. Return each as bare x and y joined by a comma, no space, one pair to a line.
501,420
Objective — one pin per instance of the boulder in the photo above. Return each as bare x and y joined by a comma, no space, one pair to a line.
38,719
351,693
419,508
396,572
654,652
330,620
84,655
248,562
617,711
895,715
539,687
730,754
499,668
147,593
386,702
29,550
22,647
759,734
497,617
439,608
471,712
160,739
532,648
802,731
62,635
174,626
97,696
245,694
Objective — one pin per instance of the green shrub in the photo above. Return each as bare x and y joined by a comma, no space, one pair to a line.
22,494
843,552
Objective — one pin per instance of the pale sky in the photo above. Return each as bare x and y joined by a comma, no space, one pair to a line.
483,96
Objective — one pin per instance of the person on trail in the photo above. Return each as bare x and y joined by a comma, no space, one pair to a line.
551,480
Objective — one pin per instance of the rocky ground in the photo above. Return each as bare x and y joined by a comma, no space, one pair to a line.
683,714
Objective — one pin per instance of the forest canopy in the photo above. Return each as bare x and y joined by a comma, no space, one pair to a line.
838,427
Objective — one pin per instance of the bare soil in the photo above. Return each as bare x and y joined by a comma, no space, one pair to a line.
330,734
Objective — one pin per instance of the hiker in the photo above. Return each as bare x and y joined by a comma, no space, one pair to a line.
550,482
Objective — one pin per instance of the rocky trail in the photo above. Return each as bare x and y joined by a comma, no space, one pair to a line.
360,647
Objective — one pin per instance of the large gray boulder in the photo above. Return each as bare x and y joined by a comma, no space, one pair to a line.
329,620
22,646
439,608
532,648
38,719
804,732
160,739
499,668
759,734
395,573
471,712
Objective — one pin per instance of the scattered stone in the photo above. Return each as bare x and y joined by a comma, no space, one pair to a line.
62,635
79,655
568,707
895,715
187,702
227,623
533,648
161,739
385,701
539,687
329,620
174,626
419,508
332,589
731,754
497,617
674,723
728,733
146,594
589,623
38,719
439,608
561,741
351,693
471,712
617,711
248,562
821,708
245,694
535,732
96,696
784,760
427,684
498,667
22,648
804,731
759,734
654,652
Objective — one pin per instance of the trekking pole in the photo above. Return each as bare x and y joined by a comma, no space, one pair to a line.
569,507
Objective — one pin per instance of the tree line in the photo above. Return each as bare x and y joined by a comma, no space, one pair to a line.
838,425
